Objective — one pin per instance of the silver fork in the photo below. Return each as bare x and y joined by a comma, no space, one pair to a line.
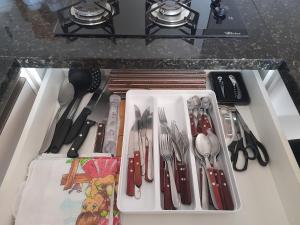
163,121
165,129
167,155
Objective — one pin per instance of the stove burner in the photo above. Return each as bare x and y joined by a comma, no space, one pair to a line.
91,13
170,13
170,8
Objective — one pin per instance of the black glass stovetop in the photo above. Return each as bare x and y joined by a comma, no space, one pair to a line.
131,19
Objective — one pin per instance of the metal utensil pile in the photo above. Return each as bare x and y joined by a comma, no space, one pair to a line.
173,148
213,184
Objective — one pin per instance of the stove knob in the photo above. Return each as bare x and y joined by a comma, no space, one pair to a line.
219,12
216,3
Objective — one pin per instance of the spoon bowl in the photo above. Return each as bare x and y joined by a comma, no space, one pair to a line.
215,146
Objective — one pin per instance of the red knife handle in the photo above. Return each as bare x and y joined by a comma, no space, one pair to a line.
177,178
168,204
161,173
225,191
147,178
130,177
215,188
137,169
184,182
203,124
193,125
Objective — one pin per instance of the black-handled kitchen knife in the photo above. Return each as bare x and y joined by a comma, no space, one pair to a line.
77,125
61,130
59,136
73,151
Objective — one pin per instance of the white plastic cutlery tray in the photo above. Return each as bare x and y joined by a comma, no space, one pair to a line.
175,106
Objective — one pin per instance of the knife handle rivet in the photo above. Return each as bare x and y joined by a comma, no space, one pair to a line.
73,149
80,135
100,125
99,133
213,183
131,171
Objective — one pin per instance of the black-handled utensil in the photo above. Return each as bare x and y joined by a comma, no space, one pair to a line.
62,130
74,131
59,136
76,77
73,151
83,80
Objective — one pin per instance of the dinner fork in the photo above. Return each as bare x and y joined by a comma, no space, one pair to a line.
167,155
165,129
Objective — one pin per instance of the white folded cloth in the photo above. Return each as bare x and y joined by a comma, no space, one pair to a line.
55,194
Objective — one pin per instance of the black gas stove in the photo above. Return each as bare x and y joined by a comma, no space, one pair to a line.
150,19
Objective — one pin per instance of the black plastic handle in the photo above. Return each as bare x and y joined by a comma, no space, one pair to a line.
77,125
73,151
60,135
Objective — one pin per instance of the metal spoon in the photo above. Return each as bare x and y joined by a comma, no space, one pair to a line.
65,96
215,146
203,146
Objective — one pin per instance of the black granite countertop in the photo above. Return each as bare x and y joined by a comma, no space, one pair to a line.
27,40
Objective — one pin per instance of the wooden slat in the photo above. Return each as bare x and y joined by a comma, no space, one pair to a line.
121,128
138,71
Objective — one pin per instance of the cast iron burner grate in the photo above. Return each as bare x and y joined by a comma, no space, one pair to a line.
74,18
170,15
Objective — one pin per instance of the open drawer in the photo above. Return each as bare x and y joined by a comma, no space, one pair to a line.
269,195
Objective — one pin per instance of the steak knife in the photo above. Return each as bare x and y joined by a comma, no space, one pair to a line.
137,153
144,141
149,149
130,163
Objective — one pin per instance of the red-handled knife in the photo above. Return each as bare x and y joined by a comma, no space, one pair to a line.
130,163
137,152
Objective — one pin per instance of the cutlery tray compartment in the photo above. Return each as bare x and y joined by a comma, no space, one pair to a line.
175,107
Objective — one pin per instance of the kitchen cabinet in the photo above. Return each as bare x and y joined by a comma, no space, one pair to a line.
269,195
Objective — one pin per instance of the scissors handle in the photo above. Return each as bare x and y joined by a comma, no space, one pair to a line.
261,152
235,156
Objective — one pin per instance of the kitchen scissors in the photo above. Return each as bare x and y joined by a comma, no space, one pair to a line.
246,143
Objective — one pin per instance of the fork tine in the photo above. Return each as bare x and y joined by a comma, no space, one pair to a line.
160,115
164,115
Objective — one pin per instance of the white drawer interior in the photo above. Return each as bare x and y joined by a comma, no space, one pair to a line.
269,195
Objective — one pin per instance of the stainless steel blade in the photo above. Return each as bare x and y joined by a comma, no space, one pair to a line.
139,141
149,127
144,119
131,141
97,95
